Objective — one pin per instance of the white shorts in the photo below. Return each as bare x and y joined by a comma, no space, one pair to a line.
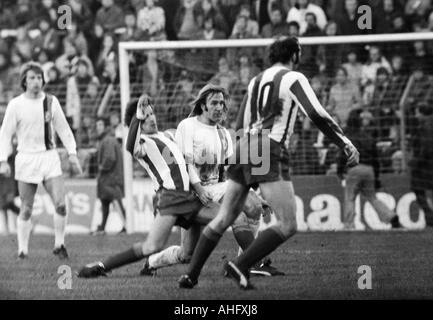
37,167
217,191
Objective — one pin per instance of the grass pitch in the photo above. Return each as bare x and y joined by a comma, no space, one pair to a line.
317,266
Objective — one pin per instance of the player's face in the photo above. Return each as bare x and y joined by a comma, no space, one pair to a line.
215,108
148,123
34,82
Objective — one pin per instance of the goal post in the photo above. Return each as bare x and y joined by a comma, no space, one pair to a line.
125,48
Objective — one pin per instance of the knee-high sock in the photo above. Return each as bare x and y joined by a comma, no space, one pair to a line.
165,258
129,256
23,234
243,237
59,230
105,212
206,244
266,242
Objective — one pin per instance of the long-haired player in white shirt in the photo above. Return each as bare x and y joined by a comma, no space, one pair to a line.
34,117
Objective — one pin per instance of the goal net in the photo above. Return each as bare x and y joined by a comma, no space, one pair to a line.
387,76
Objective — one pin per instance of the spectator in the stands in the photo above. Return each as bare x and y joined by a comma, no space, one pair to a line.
278,26
399,24
109,16
185,24
107,53
348,20
76,36
116,125
299,14
86,135
330,57
207,29
247,70
7,19
54,81
13,79
310,59
66,63
399,70
48,39
23,43
110,74
4,67
24,13
391,10
417,10
207,7
251,28
82,14
48,9
384,104
75,91
178,105
240,29
95,42
369,70
422,57
418,94
353,67
294,29
230,10
130,32
41,56
151,22
225,76
343,97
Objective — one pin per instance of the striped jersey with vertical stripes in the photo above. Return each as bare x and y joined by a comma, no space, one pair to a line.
272,102
163,161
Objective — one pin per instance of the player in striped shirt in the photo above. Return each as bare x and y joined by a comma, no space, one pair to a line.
267,117
34,117
176,205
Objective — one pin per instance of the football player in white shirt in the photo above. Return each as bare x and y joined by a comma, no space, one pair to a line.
34,117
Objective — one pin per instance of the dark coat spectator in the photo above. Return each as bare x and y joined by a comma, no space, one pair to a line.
48,39
277,26
348,19
110,167
185,22
82,14
208,9
109,16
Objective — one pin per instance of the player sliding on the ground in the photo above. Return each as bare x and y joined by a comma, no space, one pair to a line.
34,117
206,146
267,115
165,164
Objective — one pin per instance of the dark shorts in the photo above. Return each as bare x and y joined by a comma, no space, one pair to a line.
273,166
184,205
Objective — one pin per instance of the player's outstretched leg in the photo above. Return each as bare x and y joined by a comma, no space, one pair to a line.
232,205
24,226
157,238
56,190
281,197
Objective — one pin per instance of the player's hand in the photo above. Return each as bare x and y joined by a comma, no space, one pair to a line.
5,169
204,195
75,165
352,155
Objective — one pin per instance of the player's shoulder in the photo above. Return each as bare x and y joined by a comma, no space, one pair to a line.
186,122
15,100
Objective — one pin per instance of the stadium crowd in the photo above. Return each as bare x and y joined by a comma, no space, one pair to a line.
81,63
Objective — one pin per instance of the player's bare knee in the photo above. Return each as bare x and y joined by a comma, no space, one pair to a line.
288,228
26,211
61,210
